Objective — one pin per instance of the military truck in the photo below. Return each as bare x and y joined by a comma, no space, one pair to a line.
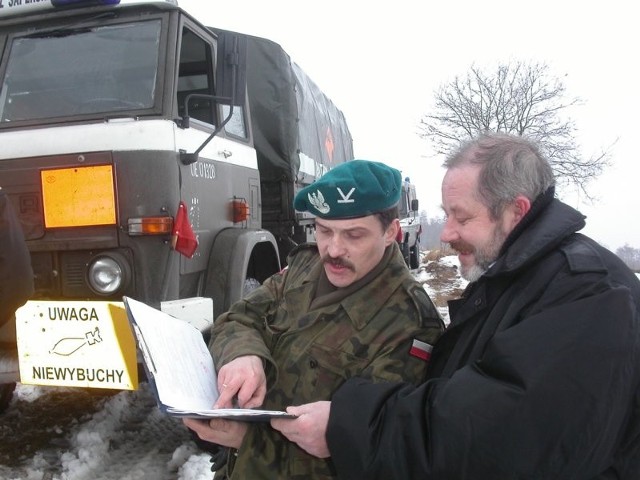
151,156
409,236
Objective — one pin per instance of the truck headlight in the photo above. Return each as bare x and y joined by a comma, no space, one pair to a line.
108,274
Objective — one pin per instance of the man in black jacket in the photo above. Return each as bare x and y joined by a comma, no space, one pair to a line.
538,374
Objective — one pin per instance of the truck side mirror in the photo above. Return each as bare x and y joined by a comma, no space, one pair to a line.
231,85
414,205
231,69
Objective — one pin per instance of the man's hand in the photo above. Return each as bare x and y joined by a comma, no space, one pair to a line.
243,377
227,433
309,429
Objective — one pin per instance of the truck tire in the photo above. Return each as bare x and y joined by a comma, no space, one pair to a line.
404,249
414,257
239,260
6,394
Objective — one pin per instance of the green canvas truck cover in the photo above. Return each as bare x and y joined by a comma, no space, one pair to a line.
298,132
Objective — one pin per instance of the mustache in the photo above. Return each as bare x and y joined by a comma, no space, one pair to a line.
460,246
337,262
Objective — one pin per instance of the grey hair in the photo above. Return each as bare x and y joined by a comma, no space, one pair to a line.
509,166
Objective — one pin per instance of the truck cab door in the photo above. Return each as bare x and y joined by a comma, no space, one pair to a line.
225,169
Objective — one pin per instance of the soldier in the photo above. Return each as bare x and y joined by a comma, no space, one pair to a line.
345,306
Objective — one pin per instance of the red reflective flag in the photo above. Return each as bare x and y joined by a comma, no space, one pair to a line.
183,240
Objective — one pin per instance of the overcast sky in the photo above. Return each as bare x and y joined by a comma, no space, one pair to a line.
381,62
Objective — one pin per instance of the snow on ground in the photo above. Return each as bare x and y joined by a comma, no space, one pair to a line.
424,277
442,281
115,436
450,260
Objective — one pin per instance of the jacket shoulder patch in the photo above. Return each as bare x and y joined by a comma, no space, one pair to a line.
429,315
582,256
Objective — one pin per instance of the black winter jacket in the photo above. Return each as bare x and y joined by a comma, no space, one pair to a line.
537,376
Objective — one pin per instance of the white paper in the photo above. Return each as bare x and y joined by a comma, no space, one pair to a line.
180,366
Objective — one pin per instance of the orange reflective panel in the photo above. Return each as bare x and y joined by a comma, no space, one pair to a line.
76,197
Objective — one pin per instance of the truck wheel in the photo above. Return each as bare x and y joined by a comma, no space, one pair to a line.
404,249
414,258
6,393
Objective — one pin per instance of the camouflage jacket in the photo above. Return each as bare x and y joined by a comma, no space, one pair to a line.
309,353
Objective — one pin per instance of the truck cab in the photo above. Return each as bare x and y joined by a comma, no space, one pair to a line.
91,105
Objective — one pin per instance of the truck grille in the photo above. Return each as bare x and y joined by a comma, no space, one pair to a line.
73,267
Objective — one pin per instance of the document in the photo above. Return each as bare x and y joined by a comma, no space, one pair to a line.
180,368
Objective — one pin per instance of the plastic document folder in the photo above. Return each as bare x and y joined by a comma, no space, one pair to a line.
179,366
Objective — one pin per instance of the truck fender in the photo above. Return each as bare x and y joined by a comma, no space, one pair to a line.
235,256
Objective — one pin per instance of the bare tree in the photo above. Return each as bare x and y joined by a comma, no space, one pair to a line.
518,98
431,230
630,256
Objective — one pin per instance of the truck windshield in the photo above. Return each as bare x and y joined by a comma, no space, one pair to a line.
81,71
